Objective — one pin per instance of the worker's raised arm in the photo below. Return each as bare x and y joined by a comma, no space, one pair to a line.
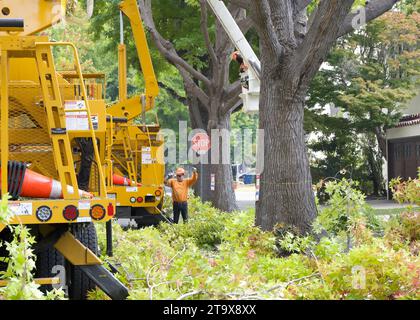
193,179
168,182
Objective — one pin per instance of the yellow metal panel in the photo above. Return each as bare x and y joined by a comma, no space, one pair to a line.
38,15
130,9
23,70
57,207
123,196
40,281
122,71
46,281
75,252
129,108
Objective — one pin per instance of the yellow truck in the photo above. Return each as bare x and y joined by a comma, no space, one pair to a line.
69,161
136,149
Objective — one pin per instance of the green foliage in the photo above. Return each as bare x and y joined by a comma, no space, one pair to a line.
406,191
224,256
405,228
369,77
21,265
345,209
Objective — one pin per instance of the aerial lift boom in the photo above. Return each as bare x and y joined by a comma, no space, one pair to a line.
250,94
147,99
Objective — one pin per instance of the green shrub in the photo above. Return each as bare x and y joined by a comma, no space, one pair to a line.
224,256
21,263
406,191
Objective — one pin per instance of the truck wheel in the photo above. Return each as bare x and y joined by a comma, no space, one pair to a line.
80,284
5,236
49,264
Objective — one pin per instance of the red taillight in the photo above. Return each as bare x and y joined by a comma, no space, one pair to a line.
70,213
158,193
139,199
110,210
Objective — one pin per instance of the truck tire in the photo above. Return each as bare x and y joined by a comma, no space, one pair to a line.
79,283
48,263
5,236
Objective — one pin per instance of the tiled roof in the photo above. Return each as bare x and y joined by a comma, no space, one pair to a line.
409,120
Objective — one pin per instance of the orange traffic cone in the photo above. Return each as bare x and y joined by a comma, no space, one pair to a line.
36,185
123,181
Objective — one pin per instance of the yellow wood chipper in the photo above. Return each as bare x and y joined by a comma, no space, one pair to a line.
69,161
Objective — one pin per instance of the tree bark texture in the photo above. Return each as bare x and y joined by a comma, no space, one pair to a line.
294,46
211,98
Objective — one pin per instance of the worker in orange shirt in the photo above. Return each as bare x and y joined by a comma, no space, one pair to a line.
180,187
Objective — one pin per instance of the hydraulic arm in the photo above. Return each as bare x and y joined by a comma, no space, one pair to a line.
251,73
129,107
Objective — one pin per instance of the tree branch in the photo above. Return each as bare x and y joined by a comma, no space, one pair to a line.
164,46
281,13
205,31
173,93
241,3
245,24
267,31
373,10
302,4
320,37
194,89
233,90
232,97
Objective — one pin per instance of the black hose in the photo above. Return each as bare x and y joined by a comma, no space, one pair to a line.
15,175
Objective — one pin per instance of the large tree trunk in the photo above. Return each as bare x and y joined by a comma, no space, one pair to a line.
223,195
286,196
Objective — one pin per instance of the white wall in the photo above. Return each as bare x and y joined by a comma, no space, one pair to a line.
403,132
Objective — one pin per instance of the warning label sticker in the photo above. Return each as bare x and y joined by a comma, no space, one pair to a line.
131,189
84,205
21,209
146,155
78,121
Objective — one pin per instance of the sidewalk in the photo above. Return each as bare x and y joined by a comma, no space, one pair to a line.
246,199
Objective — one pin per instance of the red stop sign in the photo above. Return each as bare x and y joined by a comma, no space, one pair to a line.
201,143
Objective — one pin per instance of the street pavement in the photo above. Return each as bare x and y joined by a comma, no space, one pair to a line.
246,200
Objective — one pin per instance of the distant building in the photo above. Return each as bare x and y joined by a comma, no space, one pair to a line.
403,144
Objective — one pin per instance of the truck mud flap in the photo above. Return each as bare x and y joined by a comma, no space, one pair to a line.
106,281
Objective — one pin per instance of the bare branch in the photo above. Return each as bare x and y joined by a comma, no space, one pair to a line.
245,24
172,93
373,10
232,98
281,13
164,46
205,31
241,3
302,4
266,28
233,90
320,37
194,89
